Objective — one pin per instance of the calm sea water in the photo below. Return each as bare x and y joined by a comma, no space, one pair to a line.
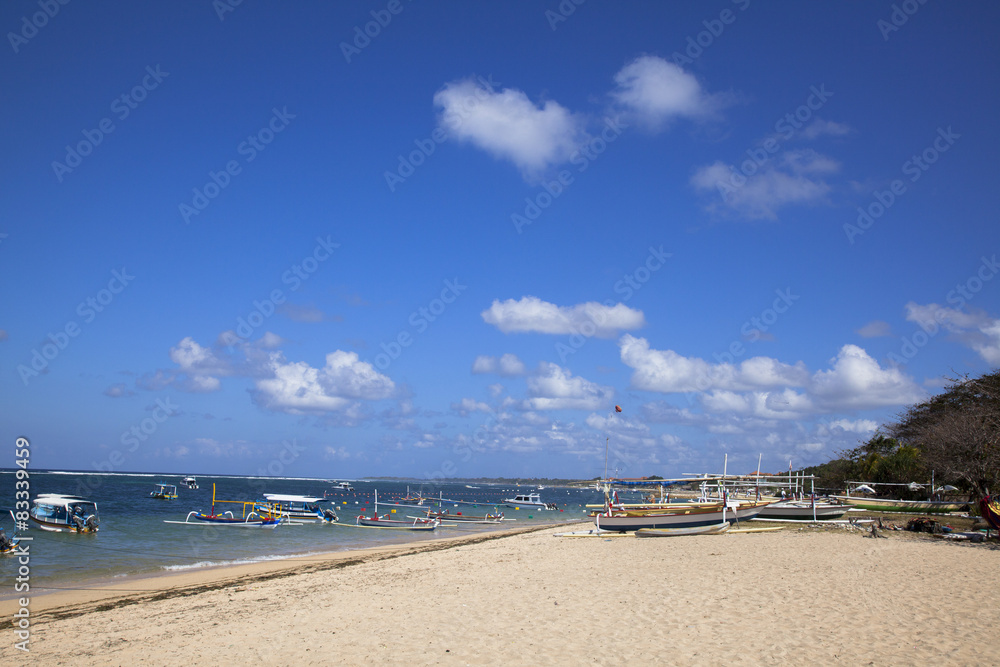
134,540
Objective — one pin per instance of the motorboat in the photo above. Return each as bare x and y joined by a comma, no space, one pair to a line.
342,486
164,492
296,508
189,483
532,500
65,514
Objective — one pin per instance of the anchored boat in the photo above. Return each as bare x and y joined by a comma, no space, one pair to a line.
297,508
164,492
65,514
249,517
532,500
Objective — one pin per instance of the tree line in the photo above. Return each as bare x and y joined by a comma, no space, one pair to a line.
954,435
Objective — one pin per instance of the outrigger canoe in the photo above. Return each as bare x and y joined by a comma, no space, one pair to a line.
249,518
677,532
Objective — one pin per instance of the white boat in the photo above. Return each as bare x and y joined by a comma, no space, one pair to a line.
342,486
804,510
712,529
189,483
684,517
65,514
532,500
297,508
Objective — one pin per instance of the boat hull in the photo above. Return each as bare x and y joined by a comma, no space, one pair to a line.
398,525
685,518
889,505
59,527
678,532
803,511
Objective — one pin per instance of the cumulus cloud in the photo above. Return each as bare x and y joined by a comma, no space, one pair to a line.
508,365
555,388
508,125
977,330
655,90
764,387
531,314
467,406
298,388
857,381
757,191
668,372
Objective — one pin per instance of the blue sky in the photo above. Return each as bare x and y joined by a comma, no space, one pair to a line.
256,239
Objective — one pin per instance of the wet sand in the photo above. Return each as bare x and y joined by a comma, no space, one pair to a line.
819,596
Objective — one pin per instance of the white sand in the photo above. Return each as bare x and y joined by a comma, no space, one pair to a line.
790,597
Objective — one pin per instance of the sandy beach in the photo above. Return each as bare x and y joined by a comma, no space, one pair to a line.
812,596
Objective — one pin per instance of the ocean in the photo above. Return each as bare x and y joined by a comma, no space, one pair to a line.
133,539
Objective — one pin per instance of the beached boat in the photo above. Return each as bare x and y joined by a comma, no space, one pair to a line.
189,483
713,529
297,508
8,545
465,518
891,505
686,517
803,510
66,514
532,500
989,507
164,492
249,517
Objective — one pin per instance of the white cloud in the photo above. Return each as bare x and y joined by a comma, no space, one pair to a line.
668,372
508,125
555,388
468,405
531,314
875,329
820,127
855,426
792,178
299,388
656,90
508,365
976,330
856,381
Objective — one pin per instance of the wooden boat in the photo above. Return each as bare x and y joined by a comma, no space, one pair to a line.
164,492
465,518
803,510
989,507
686,517
713,529
890,505
376,521
249,517
8,545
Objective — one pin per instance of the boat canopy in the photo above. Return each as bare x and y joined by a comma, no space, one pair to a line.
282,498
